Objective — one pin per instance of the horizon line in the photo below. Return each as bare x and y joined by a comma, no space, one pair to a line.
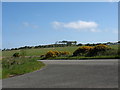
63,40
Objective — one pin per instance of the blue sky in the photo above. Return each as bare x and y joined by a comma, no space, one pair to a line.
45,23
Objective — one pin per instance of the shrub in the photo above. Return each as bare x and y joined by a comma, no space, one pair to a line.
98,50
50,54
56,54
101,47
16,55
82,50
64,53
42,56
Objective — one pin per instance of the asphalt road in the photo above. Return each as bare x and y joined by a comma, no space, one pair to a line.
69,74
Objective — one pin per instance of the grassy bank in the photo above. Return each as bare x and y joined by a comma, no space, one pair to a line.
82,57
0,72
17,66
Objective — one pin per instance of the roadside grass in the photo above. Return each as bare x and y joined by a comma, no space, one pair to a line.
0,65
18,66
82,57
0,72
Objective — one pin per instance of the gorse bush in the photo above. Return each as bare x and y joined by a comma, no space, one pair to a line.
91,50
56,54
82,50
64,53
50,54
16,55
98,50
101,47
22,53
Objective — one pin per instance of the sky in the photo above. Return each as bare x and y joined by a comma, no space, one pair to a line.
41,23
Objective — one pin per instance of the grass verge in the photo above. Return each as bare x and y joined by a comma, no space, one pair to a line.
82,57
18,66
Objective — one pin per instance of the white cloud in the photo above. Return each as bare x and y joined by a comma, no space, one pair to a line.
57,25
81,25
26,24
78,25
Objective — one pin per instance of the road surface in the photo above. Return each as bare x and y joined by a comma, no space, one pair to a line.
69,74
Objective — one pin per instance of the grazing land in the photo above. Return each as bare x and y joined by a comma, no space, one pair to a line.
42,51
39,51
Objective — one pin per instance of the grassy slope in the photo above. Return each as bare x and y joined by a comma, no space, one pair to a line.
11,67
40,51
0,72
0,68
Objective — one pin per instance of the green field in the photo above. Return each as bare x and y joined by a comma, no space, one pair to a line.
39,51
42,51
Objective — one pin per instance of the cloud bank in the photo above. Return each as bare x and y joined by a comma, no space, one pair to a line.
78,25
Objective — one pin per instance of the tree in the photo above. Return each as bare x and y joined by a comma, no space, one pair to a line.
80,44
